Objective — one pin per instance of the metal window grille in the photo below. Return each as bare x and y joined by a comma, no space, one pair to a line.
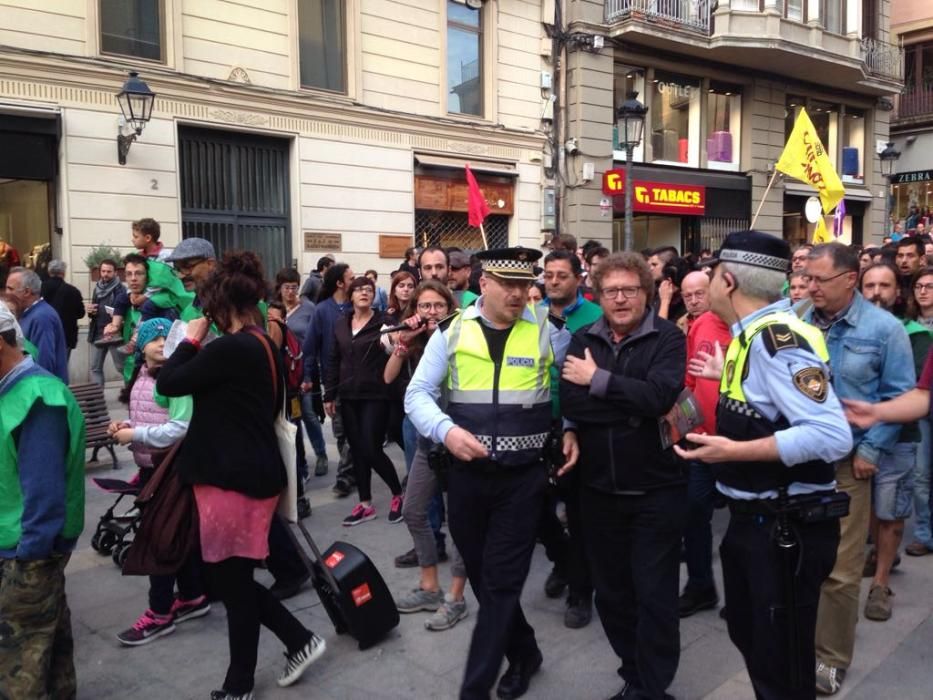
450,228
713,231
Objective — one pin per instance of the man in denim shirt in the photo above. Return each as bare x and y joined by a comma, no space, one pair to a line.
871,360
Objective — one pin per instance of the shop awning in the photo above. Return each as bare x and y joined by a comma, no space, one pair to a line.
430,160
857,194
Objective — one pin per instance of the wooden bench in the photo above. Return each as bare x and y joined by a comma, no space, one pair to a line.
90,398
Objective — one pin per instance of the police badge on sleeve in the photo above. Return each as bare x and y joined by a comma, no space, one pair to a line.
812,383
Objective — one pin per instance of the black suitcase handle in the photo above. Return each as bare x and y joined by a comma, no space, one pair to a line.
328,574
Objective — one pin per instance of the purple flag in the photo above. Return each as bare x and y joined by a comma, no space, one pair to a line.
839,217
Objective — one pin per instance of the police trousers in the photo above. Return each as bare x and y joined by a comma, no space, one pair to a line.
756,610
493,518
36,646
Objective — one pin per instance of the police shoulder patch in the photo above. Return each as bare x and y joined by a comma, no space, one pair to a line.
779,336
812,383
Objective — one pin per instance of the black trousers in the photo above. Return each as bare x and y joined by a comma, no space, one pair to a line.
249,605
756,614
162,588
633,547
493,519
284,562
365,422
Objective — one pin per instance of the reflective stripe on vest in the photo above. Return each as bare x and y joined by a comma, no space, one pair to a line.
513,422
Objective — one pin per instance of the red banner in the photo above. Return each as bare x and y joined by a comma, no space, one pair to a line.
656,197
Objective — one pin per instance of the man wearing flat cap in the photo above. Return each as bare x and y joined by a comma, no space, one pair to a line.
492,364
780,431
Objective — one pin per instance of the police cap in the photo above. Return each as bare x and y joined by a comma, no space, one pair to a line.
510,263
753,248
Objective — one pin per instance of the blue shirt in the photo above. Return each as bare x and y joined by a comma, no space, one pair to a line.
871,360
43,328
818,431
320,337
42,447
424,390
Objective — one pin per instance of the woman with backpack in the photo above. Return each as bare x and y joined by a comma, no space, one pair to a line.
354,373
298,313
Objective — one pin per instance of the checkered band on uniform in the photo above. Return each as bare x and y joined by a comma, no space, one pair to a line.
741,408
514,443
769,262
506,266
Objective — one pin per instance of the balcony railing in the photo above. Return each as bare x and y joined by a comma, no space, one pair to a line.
916,102
884,59
692,15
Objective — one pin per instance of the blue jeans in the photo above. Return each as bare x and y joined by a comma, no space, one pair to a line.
312,425
698,535
922,529
436,506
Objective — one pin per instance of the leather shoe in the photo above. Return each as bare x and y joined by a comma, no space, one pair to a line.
408,560
514,682
579,611
691,601
555,585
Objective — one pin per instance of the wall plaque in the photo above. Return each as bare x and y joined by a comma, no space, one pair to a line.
394,246
323,241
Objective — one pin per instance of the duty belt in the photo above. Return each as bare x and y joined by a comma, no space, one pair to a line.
514,443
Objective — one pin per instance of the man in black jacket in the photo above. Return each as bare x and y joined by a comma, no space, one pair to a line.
622,374
66,300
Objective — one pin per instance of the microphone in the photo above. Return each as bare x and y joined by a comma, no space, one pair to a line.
405,327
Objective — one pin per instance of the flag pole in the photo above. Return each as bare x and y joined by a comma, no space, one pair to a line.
764,197
482,231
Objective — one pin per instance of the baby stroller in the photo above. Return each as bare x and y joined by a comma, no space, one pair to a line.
114,533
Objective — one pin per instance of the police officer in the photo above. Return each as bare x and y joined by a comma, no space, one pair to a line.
780,427
493,363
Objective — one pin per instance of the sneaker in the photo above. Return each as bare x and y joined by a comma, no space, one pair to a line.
408,560
579,612
448,615
147,628
555,585
419,599
917,549
691,602
342,489
360,514
295,664
304,508
321,465
395,510
828,678
878,607
189,609
224,695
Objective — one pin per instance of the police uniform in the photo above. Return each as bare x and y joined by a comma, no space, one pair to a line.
775,382
497,387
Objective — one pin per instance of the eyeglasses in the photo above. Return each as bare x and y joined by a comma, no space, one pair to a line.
923,288
614,292
289,287
432,306
183,267
820,281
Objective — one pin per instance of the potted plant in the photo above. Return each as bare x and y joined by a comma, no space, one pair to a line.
102,252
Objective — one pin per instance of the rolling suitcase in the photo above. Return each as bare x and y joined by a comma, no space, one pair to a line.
352,590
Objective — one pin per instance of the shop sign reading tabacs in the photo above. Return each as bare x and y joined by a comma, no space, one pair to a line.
656,197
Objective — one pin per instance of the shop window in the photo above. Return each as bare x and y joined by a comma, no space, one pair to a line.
674,119
794,10
723,126
853,146
825,118
464,59
627,79
322,46
131,28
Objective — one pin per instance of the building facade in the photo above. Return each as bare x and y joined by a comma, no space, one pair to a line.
912,120
295,128
723,83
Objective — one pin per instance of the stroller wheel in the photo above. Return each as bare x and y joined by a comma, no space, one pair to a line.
95,541
108,540
120,552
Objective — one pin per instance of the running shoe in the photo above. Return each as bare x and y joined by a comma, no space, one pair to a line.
149,627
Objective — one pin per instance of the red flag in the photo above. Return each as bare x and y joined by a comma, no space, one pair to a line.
477,209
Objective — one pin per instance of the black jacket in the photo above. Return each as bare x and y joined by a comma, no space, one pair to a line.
68,303
231,440
357,363
617,415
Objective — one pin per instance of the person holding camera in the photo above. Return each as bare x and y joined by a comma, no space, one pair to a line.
780,430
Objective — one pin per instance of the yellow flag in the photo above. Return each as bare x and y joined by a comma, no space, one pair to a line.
820,234
805,158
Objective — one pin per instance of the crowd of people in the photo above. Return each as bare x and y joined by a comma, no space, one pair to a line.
602,404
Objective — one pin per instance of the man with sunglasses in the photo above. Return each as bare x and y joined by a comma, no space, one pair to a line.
871,360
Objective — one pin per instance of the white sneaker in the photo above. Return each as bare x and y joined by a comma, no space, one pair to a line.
295,664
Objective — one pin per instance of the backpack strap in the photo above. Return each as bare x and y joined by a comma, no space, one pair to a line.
268,347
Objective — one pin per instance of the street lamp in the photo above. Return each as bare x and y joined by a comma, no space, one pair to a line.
630,122
888,158
135,100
